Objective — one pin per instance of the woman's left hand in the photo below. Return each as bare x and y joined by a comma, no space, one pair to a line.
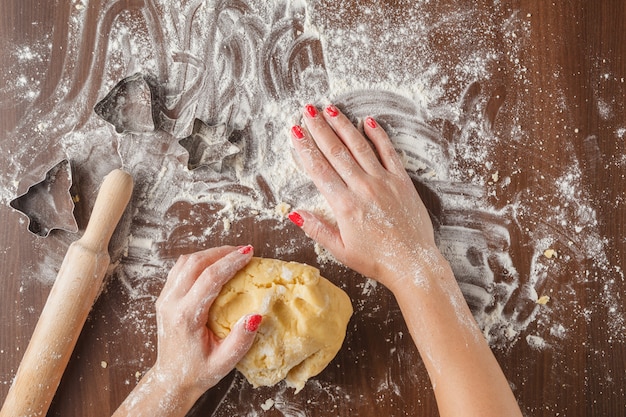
191,359
189,354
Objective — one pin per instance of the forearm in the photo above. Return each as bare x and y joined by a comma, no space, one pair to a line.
466,377
155,397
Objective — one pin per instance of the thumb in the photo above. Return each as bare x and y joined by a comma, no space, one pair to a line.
237,343
319,230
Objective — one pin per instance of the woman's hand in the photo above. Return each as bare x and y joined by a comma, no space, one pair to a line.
189,354
383,231
191,359
382,228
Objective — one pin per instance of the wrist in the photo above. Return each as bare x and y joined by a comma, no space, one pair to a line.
419,270
159,395
175,393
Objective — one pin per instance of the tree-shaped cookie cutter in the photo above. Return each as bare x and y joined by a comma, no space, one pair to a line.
48,204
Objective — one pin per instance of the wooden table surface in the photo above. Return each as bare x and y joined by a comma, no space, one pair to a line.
511,115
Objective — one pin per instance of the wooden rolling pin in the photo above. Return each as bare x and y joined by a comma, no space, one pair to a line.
73,294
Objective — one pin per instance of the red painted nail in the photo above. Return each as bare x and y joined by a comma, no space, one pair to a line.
253,322
311,111
297,132
244,250
371,122
332,111
296,218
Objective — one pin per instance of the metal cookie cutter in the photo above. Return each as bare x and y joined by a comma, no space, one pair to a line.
48,204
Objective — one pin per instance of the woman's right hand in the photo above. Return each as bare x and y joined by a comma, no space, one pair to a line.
383,231
382,228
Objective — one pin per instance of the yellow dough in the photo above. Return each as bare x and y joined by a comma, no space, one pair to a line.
304,320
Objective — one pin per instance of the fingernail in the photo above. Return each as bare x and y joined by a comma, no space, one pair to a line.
244,250
296,218
253,322
371,122
332,111
311,111
297,132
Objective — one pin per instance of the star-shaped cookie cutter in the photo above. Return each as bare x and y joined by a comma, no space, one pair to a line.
208,146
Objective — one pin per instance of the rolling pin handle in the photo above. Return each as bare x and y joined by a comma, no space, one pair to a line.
113,197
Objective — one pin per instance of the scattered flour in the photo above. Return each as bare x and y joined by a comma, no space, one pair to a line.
252,67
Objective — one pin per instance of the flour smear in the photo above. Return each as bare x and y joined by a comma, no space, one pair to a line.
253,67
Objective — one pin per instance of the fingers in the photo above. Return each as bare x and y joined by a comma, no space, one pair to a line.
320,231
197,279
323,174
189,267
210,282
238,342
360,149
388,155
330,144
339,145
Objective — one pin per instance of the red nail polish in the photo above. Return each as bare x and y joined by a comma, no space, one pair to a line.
332,111
311,111
297,132
253,322
244,250
296,218
371,122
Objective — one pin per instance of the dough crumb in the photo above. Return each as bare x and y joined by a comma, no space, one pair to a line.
550,253
536,342
543,300
104,364
282,209
269,403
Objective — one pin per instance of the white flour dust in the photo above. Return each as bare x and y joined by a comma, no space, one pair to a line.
252,67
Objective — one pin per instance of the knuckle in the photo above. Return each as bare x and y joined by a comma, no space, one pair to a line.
194,258
314,162
315,232
214,277
212,273
391,153
161,302
213,284
318,167
180,262
361,147
337,151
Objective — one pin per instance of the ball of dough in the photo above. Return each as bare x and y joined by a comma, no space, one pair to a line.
304,320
